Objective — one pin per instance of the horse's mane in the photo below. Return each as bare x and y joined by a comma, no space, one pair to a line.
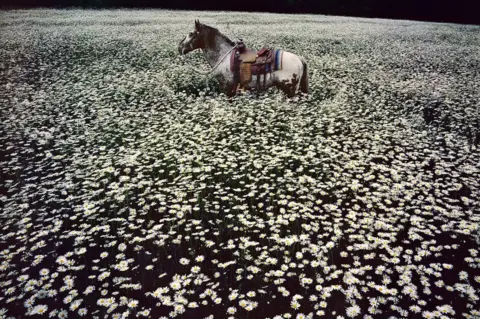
213,30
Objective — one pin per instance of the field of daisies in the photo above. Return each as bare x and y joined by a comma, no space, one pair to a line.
130,187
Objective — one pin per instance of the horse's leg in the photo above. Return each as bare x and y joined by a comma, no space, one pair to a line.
304,78
288,85
229,93
227,87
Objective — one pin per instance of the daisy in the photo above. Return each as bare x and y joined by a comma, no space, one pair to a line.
63,314
62,260
44,272
195,269
233,295
184,261
82,311
10,290
88,290
53,313
39,310
144,312
353,311
295,304
74,305
132,303
243,303
67,299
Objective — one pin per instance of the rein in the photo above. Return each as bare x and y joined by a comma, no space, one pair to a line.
216,65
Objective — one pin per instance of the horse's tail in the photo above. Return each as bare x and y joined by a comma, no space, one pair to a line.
304,78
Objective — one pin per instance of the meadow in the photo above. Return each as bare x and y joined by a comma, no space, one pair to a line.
131,187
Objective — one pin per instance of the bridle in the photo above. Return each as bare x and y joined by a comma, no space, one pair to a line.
190,44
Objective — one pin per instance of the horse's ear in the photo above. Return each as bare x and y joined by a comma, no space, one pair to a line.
197,24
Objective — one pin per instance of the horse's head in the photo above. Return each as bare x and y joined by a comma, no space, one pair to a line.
194,40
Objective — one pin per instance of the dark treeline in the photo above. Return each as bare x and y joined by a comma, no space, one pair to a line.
460,11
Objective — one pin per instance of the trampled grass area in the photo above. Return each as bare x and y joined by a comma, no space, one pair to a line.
132,188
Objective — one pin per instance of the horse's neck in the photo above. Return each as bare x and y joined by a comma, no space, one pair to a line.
216,49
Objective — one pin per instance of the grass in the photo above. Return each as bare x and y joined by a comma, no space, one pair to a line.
131,187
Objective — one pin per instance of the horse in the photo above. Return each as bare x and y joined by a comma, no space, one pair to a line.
291,77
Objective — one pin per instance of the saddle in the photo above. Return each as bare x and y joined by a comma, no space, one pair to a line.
246,62
250,56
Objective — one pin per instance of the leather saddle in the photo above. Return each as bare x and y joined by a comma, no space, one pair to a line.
246,62
265,55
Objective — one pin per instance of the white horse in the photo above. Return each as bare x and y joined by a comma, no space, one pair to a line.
291,77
